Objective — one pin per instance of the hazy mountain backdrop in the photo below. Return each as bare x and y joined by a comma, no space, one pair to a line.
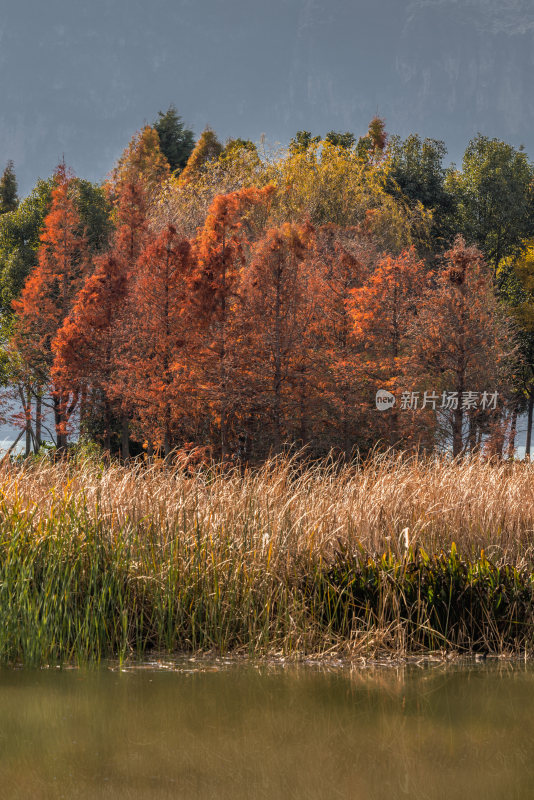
79,78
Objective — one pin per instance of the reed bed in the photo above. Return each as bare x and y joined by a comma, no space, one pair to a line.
394,554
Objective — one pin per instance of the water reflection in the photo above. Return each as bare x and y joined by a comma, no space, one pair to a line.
242,732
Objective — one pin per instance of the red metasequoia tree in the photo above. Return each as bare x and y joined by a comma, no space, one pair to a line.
49,293
84,347
278,304
219,253
94,339
159,385
382,311
458,343
341,258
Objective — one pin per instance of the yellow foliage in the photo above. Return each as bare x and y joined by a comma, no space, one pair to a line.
323,184
331,184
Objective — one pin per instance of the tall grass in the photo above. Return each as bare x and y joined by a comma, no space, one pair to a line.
396,554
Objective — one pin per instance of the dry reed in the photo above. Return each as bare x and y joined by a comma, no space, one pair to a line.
287,558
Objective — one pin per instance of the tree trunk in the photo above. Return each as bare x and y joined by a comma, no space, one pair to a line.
61,415
38,421
125,438
529,424
107,427
28,415
167,443
457,426
513,431
472,435
303,411
57,422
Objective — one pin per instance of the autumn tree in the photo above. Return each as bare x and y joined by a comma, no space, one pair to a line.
185,204
372,146
207,149
382,312
20,232
142,163
459,344
342,262
278,306
327,184
49,293
233,146
159,363
92,348
219,253
85,347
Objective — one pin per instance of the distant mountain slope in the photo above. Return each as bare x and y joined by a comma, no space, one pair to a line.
79,78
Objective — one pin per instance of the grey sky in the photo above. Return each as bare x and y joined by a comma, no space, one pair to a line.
78,78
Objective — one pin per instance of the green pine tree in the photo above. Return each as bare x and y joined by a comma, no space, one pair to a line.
346,140
8,189
175,140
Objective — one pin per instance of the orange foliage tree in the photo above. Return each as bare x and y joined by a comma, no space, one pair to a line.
49,293
382,312
220,250
277,312
459,343
94,340
342,259
142,164
158,381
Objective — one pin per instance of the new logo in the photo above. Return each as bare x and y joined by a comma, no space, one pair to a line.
384,400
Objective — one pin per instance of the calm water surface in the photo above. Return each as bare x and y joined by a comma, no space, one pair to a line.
245,732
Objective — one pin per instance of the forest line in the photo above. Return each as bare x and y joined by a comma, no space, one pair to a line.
235,300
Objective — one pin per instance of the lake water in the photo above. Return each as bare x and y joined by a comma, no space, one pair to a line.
215,731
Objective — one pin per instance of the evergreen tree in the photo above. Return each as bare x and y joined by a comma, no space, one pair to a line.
175,140
346,140
8,189
301,141
495,198
516,286
417,170
94,208
19,242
